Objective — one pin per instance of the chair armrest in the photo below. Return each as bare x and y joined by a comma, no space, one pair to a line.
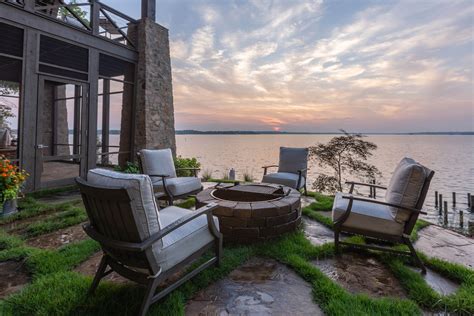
266,167
159,175
356,198
142,246
352,183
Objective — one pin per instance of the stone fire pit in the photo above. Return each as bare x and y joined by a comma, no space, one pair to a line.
254,212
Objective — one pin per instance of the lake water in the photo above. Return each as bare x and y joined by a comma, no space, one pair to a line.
451,157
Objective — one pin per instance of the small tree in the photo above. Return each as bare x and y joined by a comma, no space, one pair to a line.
343,154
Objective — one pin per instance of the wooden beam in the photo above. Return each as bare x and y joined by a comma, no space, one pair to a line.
56,28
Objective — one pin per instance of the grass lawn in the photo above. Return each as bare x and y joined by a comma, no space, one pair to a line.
56,289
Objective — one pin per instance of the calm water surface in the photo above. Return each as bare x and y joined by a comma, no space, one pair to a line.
451,157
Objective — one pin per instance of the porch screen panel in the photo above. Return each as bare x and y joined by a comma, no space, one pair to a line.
63,59
11,60
116,97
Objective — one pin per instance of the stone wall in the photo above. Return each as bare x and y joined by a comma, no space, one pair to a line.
154,115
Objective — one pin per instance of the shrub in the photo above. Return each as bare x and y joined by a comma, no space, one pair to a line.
206,175
248,177
180,162
130,167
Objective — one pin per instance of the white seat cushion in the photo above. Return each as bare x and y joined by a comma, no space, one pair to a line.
405,187
185,240
284,178
178,186
140,190
158,162
367,216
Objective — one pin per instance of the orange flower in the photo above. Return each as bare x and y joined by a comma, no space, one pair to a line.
10,167
4,175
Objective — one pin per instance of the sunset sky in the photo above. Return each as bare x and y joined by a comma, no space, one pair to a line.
373,66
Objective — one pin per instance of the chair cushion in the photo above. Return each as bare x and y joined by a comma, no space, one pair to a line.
284,178
405,187
158,162
367,216
178,186
293,159
185,240
140,190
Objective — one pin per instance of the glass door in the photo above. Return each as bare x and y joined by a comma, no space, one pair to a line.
61,138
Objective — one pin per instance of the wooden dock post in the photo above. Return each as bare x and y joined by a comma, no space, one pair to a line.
440,204
470,228
461,219
469,199
454,198
436,198
445,212
472,203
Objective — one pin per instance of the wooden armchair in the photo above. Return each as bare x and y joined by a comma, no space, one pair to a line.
159,165
139,242
292,169
392,218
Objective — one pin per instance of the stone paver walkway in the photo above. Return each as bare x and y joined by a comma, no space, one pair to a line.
259,287
445,244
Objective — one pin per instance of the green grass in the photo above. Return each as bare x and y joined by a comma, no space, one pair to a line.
68,217
51,192
188,203
323,202
57,290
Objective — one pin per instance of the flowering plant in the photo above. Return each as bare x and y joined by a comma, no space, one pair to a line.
11,179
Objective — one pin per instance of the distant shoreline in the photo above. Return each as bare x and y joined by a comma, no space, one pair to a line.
194,132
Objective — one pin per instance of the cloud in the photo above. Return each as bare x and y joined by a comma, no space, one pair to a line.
300,65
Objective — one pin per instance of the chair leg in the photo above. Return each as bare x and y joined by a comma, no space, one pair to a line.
305,190
170,200
219,251
414,255
98,275
150,291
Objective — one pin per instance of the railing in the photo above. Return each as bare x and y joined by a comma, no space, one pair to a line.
92,16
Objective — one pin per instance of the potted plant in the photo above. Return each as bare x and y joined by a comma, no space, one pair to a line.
11,181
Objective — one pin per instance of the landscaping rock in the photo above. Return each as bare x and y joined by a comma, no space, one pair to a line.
13,277
58,238
445,244
259,287
316,232
359,273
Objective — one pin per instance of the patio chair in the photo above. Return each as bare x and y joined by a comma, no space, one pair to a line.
159,165
292,169
141,242
391,219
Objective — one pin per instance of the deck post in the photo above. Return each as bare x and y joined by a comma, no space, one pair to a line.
149,9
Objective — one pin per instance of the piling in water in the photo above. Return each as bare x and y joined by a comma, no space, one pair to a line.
445,212
454,198
470,228
461,219
436,198
440,204
469,200
472,203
